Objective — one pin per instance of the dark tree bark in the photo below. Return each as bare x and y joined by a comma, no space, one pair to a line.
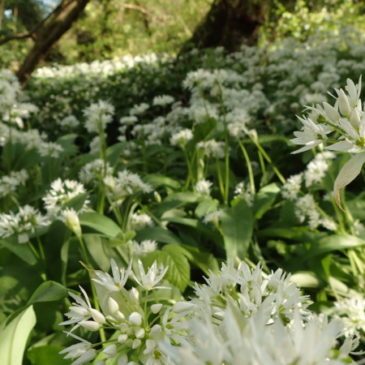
230,23
48,33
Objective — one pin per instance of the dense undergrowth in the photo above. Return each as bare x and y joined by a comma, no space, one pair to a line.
166,171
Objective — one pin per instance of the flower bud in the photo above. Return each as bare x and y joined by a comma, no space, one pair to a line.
72,221
110,350
122,338
135,319
183,307
123,360
113,306
136,343
140,333
86,357
155,308
97,316
90,325
343,103
134,294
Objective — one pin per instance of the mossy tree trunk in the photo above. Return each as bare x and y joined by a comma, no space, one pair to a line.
230,23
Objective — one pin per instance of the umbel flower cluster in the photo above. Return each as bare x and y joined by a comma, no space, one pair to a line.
239,316
338,127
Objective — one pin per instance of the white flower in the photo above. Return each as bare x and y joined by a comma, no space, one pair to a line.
117,281
162,100
203,187
71,219
139,221
144,247
98,115
148,280
27,221
80,313
292,186
181,138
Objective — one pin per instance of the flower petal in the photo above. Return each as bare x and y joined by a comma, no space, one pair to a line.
350,170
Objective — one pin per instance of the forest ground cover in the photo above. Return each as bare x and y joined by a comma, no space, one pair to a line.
165,171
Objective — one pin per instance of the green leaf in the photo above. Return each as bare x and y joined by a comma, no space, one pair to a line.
202,259
334,243
48,291
14,335
158,180
21,250
100,223
237,227
157,234
95,246
46,355
265,199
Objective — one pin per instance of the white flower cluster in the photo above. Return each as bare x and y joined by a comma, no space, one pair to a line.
61,194
125,184
94,171
242,190
203,187
10,183
98,115
306,208
23,224
240,316
138,221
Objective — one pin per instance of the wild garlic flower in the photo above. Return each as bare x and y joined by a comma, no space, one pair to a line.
83,314
125,184
340,127
139,109
98,115
240,315
115,282
10,183
213,217
242,190
138,221
61,194
212,148
181,138
291,189
69,122
71,219
23,224
148,280
162,100
95,170
203,187
81,351
144,247
352,312
317,168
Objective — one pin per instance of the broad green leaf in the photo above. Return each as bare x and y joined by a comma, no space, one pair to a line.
237,227
157,234
14,335
21,250
95,246
350,170
48,291
206,206
202,259
334,243
158,180
100,223
46,355
264,199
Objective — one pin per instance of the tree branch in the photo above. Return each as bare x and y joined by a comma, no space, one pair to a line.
16,37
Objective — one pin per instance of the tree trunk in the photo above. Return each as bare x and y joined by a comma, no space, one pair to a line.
48,33
230,23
